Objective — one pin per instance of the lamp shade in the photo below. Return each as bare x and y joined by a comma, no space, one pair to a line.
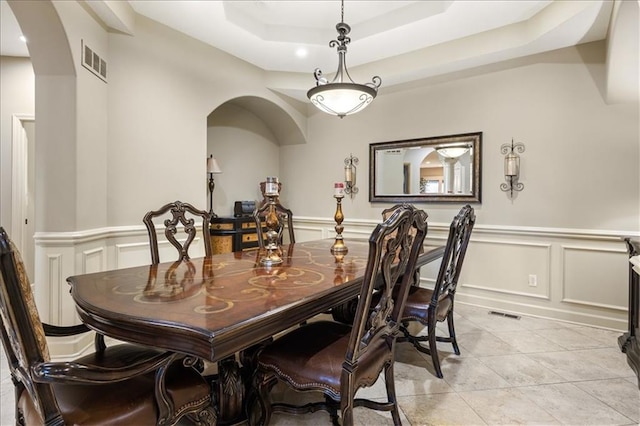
453,151
212,165
341,98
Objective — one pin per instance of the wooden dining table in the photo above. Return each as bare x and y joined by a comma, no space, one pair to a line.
215,307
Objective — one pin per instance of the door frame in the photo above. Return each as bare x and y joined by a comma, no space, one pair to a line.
19,169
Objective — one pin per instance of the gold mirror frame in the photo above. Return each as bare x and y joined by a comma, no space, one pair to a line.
462,183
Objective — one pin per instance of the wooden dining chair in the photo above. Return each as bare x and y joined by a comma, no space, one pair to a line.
277,216
183,214
338,359
428,306
121,384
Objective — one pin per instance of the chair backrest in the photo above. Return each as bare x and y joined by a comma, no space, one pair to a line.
454,253
394,247
185,214
273,215
22,331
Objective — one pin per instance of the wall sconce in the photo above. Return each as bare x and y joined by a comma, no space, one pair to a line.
350,175
512,167
212,168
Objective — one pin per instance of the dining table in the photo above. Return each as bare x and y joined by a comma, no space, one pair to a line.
219,307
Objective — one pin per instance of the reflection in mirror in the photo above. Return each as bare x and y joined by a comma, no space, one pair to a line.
443,168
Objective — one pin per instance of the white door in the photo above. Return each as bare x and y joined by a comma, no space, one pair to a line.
23,189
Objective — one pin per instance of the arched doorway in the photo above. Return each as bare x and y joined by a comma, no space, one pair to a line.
246,134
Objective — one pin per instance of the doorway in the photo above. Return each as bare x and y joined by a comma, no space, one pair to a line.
23,189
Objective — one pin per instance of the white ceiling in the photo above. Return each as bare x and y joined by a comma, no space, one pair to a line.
400,41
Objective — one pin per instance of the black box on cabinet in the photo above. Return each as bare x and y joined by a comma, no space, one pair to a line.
244,208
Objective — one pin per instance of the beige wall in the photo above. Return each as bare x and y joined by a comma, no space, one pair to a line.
580,168
17,97
162,88
91,128
246,150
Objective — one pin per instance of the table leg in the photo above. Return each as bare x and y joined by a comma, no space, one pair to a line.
233,386
230,392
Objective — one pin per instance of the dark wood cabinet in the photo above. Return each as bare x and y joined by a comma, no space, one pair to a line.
629,342
230,234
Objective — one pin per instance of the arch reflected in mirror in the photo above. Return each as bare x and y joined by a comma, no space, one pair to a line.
433,169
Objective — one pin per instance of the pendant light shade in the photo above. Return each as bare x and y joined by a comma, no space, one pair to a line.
452,151
342,96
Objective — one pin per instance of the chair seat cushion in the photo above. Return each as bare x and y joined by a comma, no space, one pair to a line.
418,304
311,357
130,402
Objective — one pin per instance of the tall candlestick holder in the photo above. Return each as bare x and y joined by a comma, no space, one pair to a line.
338,247
273,255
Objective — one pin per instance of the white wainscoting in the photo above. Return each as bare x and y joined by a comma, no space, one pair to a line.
581,275
61,255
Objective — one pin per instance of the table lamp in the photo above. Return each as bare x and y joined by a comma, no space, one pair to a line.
212,168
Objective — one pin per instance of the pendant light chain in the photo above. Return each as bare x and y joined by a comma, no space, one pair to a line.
342,96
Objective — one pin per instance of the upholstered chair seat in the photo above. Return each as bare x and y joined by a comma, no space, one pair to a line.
131,402
418,306
312,366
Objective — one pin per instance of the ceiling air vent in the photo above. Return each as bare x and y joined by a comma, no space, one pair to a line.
93,62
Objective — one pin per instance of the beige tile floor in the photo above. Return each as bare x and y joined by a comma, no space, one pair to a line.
526,371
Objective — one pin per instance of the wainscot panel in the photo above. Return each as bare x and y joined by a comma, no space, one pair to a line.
604,266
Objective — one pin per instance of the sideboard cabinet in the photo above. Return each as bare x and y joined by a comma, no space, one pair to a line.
630,341
231,234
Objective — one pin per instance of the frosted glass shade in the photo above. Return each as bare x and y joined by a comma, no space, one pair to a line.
341,98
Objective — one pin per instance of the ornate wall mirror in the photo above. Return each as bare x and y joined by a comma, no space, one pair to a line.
440,169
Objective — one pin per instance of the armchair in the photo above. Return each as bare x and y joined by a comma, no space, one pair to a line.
125,384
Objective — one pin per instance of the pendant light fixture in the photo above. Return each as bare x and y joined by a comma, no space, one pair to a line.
342,96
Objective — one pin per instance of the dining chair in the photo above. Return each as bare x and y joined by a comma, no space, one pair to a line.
346,311
428,306
120,384
181,213
273,215
337,359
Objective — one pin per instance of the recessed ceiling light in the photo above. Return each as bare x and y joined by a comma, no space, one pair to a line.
23,39
301,52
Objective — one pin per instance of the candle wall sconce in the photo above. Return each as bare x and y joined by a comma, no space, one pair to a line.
512,167
350,169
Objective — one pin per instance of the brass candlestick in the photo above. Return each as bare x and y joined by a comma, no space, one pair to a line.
338,246
273,225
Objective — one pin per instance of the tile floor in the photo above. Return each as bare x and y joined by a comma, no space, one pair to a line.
526,371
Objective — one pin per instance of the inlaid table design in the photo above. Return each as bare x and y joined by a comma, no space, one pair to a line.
215,307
